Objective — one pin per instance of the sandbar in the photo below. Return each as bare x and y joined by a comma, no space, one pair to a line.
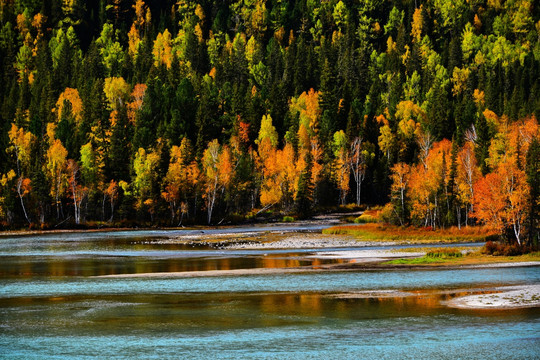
508,297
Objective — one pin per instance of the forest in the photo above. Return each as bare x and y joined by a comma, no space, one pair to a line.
165,113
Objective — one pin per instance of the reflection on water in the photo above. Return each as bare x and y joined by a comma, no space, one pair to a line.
52,306
52,266
101,253
270,324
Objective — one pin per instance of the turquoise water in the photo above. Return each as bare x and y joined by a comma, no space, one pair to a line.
52,306
303,282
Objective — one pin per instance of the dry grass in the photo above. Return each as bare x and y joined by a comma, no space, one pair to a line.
384,232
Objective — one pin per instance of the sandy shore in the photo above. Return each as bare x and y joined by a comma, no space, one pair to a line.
307,241
213,273
509,297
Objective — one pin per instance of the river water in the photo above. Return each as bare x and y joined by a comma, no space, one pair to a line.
55,305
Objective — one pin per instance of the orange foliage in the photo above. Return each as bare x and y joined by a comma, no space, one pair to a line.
489,200
225,167
72,96
426,180
468,174
138,96
316,167
342,173
243,132
500,198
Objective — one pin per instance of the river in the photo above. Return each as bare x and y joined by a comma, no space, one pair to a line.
56,304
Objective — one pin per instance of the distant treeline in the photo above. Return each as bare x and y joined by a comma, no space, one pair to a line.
186,111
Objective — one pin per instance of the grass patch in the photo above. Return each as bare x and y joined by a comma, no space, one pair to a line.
455,256
444,254
384,232
366,219
288,219
434,256
416,261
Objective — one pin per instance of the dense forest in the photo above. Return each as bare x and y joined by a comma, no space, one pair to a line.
171,112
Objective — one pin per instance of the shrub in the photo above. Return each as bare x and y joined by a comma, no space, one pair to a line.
364,219
500,249
288,219
388,215
444,253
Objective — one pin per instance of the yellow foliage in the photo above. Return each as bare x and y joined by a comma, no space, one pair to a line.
267,131
56,168
116,91
140,8
416,28
21,144
479,97
386,140
459,79
390,45
162,50
134,41
307,104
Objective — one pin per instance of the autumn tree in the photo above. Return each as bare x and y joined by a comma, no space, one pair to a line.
181,179
212,175
533,179
429,185
144,166
116,90
400,182
78,191
72,97
21,145
56,168
341,165
360,157
112,192
468,174
5,187
271,190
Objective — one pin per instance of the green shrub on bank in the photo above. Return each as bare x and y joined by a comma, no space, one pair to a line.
444,253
